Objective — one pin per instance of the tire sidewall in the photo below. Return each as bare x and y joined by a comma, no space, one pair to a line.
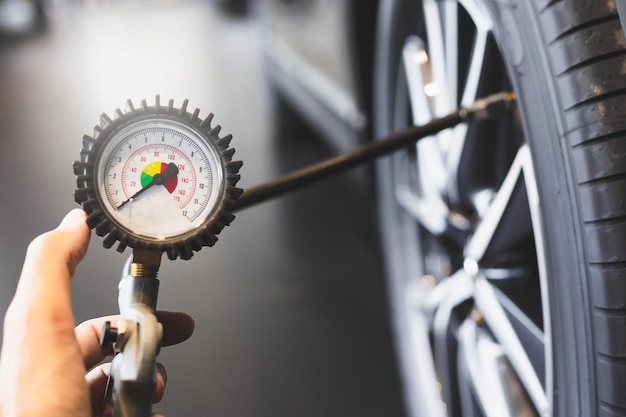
525,54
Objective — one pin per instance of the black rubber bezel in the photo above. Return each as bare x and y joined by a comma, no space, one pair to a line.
87,194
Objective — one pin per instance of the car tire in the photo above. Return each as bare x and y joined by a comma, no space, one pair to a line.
504,240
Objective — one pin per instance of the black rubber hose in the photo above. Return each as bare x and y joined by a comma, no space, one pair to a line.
483,109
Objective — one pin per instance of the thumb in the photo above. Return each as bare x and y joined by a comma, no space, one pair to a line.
40,355
50,262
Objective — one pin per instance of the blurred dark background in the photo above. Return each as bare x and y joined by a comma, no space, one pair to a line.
290,305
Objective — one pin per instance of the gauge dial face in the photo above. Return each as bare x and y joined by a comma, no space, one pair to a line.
159,179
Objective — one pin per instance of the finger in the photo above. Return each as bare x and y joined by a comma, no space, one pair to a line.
88,337
52,257
161,383
42,299
177,327
98,378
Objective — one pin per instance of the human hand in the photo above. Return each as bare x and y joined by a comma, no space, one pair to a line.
44,360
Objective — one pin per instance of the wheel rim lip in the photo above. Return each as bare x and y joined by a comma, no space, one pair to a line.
414,316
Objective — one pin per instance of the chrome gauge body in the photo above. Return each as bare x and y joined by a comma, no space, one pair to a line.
157,177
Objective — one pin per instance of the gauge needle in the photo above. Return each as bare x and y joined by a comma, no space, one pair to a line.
170,171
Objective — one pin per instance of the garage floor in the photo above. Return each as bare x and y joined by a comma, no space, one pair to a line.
290,305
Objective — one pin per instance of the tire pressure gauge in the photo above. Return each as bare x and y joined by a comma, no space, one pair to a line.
157,178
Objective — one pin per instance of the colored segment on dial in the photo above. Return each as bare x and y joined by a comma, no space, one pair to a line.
154,168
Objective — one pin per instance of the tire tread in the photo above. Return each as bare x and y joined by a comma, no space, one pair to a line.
570,31
568,16
567,57
586,53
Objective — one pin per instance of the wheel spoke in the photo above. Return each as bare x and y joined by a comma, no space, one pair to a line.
417,69
484,234
424,394
483,28
431,213
428,207
476,63
460,290
450,12
495,317
483,359
441,32
437,55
